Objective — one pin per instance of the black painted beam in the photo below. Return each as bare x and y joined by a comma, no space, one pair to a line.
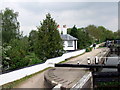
86,66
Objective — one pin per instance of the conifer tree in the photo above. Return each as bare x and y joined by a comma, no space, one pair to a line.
74,32
49,43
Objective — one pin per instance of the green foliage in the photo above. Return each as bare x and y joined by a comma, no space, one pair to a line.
74,31
5,58
15,49
49,43
19,51
88,49
43,43
16,55
83,38
32,59
117,34
92,34
10,25
33,38
100,33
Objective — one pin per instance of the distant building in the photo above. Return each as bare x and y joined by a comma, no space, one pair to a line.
70,42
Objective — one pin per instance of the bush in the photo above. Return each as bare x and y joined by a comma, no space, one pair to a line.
32,59
88,49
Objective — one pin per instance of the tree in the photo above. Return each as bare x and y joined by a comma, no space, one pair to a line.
117,34
100,33
83,38
16,55
18,49
33,38
93,32
10,25
49,43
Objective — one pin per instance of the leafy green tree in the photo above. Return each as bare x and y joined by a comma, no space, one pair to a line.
17,55
109,35
93,32
10,25
5,58
117,34
49,43
83,38
18,50
100,33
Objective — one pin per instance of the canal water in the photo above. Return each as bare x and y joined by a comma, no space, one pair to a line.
113,59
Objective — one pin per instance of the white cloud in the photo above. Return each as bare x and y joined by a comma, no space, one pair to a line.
80,14
27,29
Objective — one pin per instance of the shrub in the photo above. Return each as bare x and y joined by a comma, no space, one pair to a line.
32,59
88,49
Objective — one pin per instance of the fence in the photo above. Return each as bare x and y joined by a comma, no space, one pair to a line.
18,74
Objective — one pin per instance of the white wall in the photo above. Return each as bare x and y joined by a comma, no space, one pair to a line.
18,74
69,48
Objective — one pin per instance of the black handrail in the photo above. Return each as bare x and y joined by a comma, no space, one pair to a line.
88,66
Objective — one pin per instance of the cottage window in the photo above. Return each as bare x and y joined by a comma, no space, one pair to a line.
70,43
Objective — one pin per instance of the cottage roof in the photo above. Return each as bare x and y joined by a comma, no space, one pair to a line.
68,37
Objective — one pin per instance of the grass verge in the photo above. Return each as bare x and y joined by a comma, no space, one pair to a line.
15,83
101,47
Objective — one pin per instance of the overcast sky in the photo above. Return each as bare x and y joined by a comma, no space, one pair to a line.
80,14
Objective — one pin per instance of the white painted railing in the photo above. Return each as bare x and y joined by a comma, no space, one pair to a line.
18,74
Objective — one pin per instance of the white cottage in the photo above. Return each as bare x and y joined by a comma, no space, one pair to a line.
70,42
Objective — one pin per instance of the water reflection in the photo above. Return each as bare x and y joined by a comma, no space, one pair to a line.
113,59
